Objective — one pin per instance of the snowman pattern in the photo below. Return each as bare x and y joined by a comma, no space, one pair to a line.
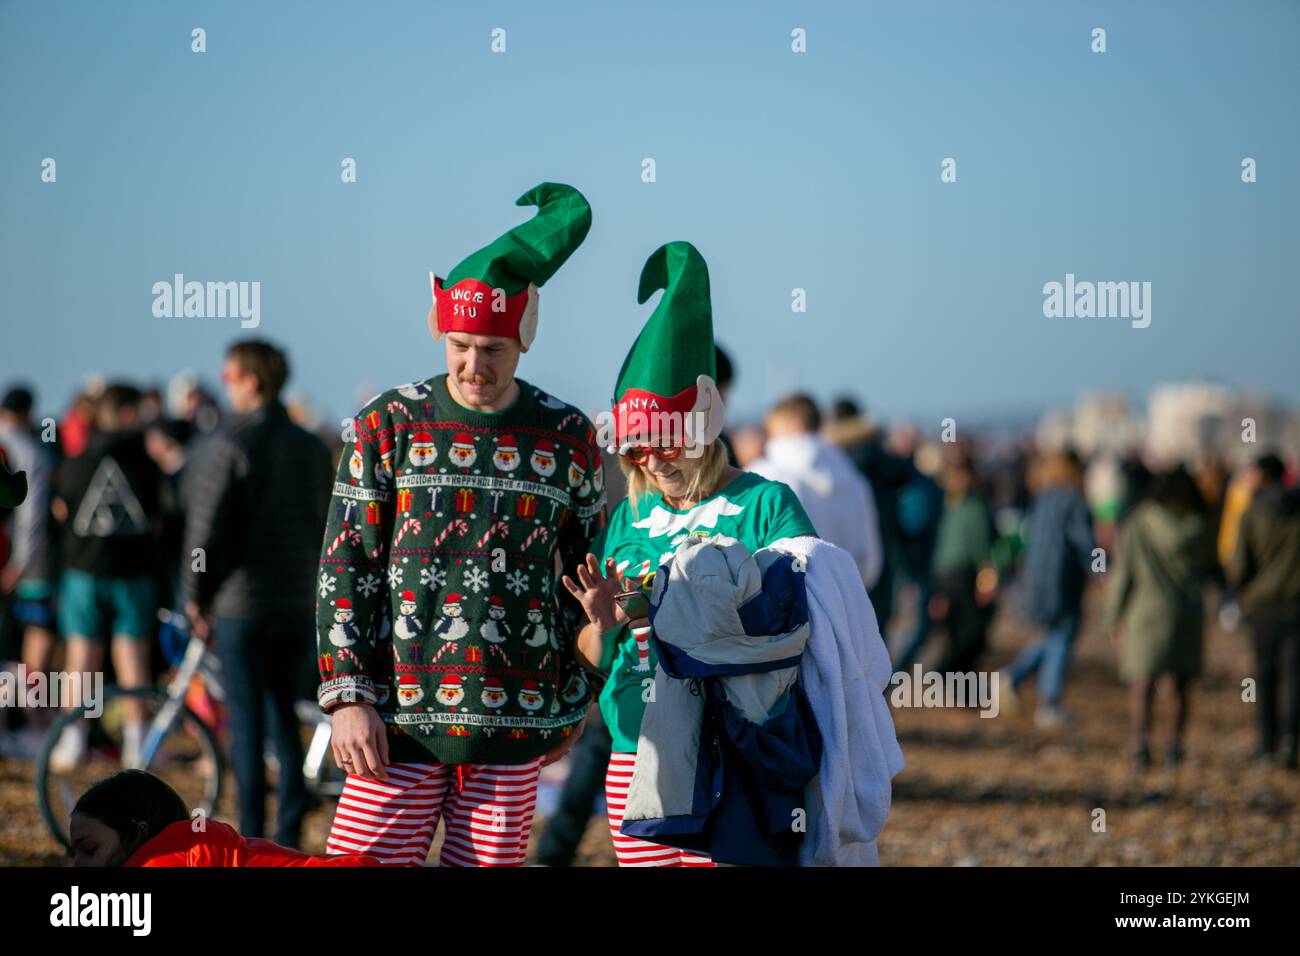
344,631
407,625
495,629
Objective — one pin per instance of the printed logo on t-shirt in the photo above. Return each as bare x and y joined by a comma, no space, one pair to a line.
109,509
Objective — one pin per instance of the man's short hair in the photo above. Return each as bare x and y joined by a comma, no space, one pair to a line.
18,400
845,409
263,361
117,397
1271,467
802,409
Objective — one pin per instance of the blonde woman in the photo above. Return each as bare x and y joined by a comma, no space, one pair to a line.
679,485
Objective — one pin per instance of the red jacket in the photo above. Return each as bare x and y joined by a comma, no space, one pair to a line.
221,845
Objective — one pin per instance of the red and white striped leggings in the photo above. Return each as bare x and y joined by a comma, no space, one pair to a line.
488,809
629,850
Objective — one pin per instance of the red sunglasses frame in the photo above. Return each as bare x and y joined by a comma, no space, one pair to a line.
639,454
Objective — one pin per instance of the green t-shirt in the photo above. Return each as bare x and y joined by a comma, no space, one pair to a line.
751,509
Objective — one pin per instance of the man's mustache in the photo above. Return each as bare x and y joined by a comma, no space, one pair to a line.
475,379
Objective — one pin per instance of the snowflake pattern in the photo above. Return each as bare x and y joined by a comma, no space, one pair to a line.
475,579
433,578
368,585
327,584
517,582
395,576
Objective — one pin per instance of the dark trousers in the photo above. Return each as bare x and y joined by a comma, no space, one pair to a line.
589,760
1276,634
967,623
262,660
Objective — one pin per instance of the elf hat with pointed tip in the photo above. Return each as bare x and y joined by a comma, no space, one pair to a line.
494,291
671,367
13,484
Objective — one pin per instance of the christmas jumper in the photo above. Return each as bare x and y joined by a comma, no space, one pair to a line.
437,597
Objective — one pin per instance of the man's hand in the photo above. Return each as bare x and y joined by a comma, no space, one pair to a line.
359,741
559,752
596,592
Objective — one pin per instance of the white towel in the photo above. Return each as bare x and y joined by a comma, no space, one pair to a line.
844,671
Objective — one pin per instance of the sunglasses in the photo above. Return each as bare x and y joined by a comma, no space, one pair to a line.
638,454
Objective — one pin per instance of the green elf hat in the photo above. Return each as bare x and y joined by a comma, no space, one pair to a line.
13,484
671,367
494,291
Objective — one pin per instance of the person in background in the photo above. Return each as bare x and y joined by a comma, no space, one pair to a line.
1057,562
255,496
106,500
836,498
134,819
1265,571
964,575
886,474
29,576
1155,607
165,443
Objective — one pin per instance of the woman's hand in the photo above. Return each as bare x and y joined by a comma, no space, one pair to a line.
596,591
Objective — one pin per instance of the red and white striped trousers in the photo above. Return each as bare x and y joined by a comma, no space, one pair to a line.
488,809
629,850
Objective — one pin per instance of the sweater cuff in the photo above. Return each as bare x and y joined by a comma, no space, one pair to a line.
347,689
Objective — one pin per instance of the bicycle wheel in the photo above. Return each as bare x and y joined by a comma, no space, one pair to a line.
186,756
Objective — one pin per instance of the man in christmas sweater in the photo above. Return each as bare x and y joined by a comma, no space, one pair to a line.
446,660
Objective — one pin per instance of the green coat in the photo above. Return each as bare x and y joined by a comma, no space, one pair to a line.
1155,594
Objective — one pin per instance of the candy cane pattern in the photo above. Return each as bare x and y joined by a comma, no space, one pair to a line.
498,529
410,524
538,532
400,407
344,654
571,417
445,648
458,525
494,649
347,534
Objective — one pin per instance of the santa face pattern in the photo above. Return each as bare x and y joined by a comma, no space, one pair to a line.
530,698
356,464
494,695
463,454
543,462
423,454
506,457
409,694
449,695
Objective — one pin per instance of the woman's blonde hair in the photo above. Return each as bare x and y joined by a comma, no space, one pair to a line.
703,474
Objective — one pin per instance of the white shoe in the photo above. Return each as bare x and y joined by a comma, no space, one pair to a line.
1051,718
132,740
70,752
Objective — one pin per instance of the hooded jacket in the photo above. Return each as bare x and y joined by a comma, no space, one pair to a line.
839,501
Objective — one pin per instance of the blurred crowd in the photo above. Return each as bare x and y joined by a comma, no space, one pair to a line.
140,528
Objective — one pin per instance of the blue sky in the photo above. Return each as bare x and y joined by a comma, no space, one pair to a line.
818,171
